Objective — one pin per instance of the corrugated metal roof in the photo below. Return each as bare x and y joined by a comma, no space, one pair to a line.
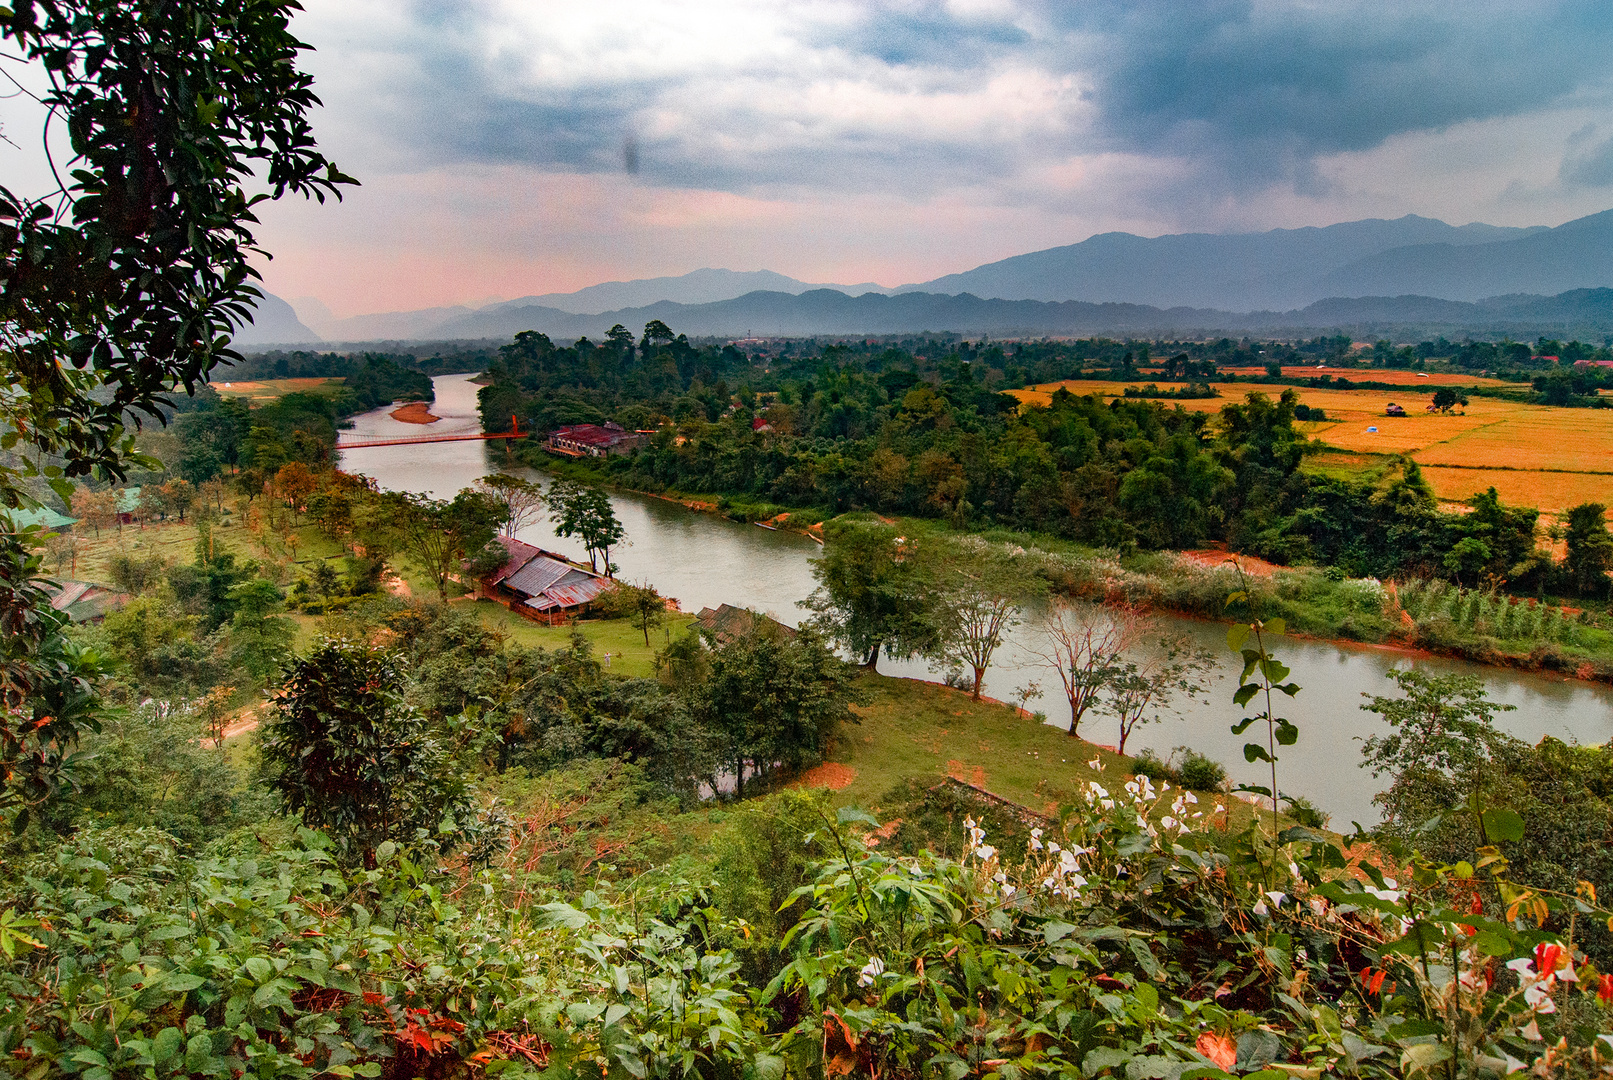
537,575
520,554
571,594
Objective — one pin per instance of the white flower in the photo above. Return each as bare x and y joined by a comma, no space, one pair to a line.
1096,764
985,852
1276,897
1538,996
1036,839
871,971
999,877
1008,891
1170,822
1190,797
1293,868
1531,1030
1260,908
1053,848
1067,863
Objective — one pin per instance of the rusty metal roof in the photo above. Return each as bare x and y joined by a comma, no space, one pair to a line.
574,593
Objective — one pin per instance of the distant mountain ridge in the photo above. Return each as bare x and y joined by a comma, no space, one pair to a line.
1279,269
825,311
1411,264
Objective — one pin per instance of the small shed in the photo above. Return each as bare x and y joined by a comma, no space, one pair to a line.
85,601
1394,410
726,622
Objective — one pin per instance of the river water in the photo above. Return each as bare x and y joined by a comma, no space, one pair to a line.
704,560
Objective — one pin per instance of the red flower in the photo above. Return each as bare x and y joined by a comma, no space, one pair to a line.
1604,988
1548,958
1372,983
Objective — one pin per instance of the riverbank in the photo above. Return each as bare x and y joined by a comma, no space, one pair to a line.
1477,627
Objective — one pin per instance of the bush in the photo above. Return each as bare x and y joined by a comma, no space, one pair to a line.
1185,767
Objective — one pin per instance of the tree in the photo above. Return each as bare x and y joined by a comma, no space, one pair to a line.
97,509
260,640
642,604
978,595
1446,399
1590,548
585,512
771,699
1443,726
523,500
1145,688
870,594
294,483
180,496
347,753
1086,644
126,284
1469,556
439,535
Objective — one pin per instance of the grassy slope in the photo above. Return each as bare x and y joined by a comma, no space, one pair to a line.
912,729
628,654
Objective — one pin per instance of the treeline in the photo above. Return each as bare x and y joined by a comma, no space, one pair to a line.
929,434
313,364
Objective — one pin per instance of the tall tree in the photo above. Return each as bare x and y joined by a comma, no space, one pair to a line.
871,594
523,500
1149,682
440,535
771,699
1590,548
1086,645
584,511
978,594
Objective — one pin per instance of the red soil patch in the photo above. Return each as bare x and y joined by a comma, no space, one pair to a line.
416,412
1212,558
976,776
831,775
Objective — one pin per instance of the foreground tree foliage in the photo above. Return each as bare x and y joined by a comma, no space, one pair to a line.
126,285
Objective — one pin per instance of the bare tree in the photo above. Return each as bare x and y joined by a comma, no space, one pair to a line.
977,600
1144,688
522,499
1085,643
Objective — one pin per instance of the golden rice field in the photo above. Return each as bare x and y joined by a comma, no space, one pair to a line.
1531,454
260,390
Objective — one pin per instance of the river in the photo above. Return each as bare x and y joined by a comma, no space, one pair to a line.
704,560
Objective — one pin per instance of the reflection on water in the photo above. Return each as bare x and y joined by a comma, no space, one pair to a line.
704,560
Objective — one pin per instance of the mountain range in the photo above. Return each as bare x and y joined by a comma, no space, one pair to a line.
1389,273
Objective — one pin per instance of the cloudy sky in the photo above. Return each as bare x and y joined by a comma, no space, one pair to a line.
510,147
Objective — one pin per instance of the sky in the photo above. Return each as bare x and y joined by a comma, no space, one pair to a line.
514,147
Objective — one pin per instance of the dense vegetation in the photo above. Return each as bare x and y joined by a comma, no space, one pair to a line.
921,429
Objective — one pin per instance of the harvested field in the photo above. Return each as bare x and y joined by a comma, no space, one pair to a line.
261,390
1534,437
1534,455
1550,491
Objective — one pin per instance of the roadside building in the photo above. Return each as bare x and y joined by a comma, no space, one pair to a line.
594,440
542,586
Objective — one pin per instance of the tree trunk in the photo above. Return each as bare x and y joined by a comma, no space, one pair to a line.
980,674
1075,721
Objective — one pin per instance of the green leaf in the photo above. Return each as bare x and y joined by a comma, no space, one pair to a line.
767,1067
1245,694
199,1054
259,968
615,1013
1104,1057
1274,626
1057,931
166,1044
1255,752
1502,824
1287,734
847,814
1237,634
180,982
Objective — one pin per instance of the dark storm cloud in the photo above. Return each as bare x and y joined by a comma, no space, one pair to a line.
1259,87
1247,93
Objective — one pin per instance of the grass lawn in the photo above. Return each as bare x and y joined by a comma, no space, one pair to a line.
918,729
618,637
